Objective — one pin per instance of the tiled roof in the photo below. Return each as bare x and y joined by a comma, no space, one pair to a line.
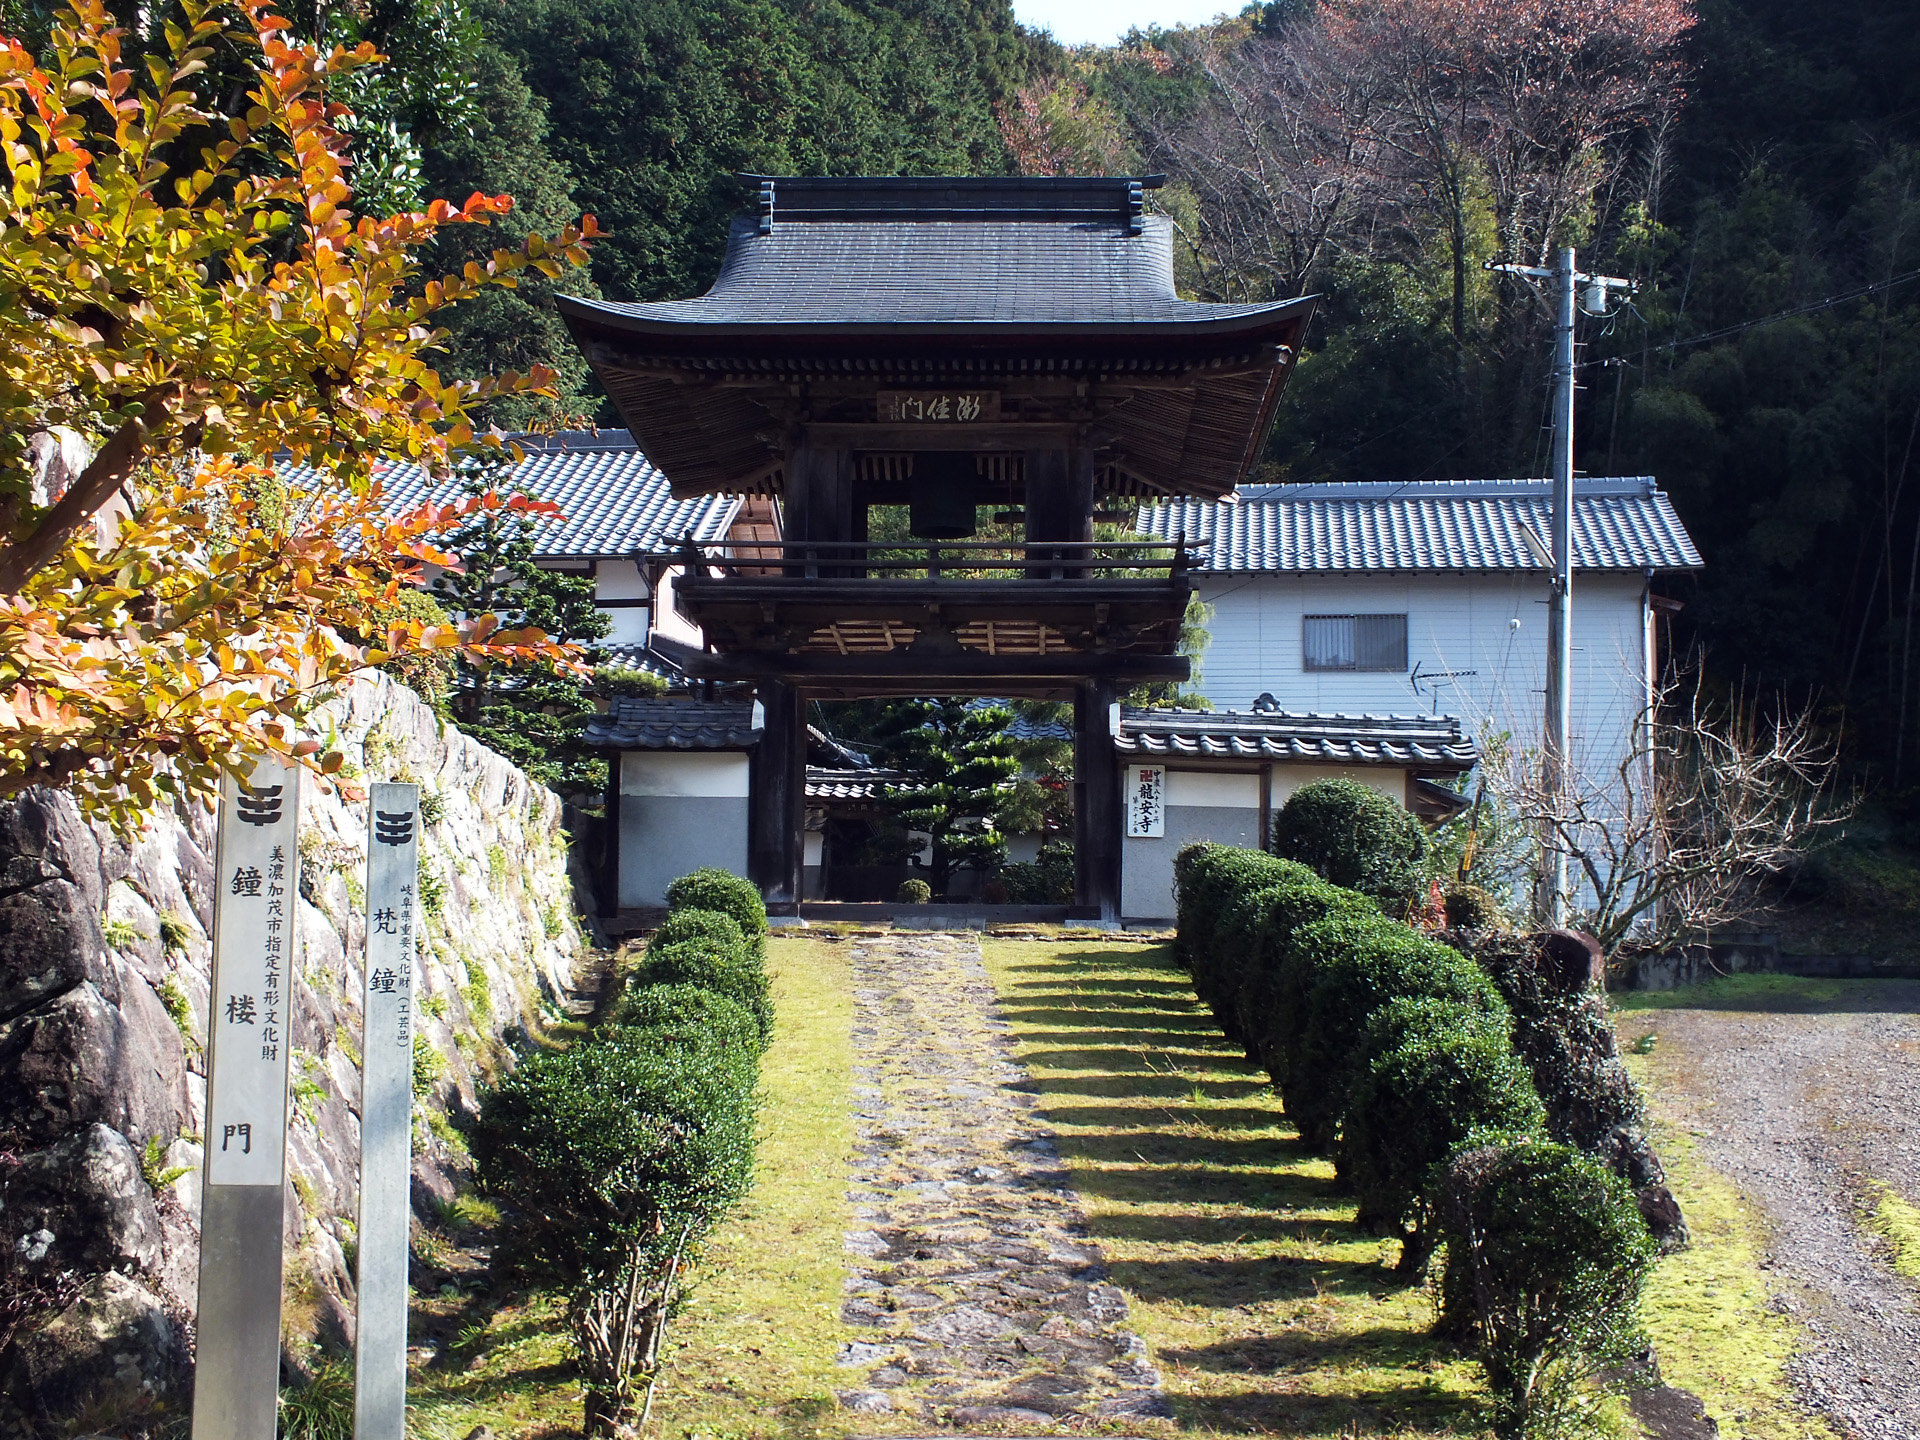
635,656
825,784
1433,742
1618,524
1022,728
612,498
869,253
636,723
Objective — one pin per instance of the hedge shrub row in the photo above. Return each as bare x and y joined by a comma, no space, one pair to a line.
1395,1054
711,949
617,1155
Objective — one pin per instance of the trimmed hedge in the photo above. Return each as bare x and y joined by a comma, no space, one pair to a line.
691,924
686,1014
711,964
716,889
1210,880
614,1159
1547,1256
1358,966
615,1142
1245,949
1405,1050
1353,837
1432,1072
1273,998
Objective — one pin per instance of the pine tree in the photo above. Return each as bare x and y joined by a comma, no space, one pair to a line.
536,716
963,765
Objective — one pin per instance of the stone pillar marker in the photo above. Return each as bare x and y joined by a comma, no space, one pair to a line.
243,1191
386,1113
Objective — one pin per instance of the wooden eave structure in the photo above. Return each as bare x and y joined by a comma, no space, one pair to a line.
1055,295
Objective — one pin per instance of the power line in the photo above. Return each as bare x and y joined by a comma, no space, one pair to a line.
1798,310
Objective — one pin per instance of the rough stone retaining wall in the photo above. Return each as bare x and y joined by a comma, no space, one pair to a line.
104,970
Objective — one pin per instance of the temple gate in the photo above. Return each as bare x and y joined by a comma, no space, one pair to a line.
942,344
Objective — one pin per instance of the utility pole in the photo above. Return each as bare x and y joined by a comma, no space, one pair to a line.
1550,898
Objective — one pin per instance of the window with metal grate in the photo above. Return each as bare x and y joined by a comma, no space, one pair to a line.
1355,642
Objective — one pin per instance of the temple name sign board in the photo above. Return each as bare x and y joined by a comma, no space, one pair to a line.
386,1113
936,406
256,900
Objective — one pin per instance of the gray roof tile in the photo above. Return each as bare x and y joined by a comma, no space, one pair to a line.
612,498
642,723
826,784
1431,742
877,273
1618,524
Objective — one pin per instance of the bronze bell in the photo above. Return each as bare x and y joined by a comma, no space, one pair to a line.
943,490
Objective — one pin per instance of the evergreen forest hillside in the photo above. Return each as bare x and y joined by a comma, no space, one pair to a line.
1767,161
1740,160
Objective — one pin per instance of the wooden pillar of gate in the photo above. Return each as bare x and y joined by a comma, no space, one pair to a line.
1059,501
1096,801
777,784
818,508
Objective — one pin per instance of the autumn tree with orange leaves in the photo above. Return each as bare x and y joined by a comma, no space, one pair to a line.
186,295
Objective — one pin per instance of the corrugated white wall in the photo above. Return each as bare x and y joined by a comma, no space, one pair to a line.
1454,623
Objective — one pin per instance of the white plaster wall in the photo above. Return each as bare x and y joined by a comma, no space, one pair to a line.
1215,805
622,580
1289,778
710,774
1454,622
667,620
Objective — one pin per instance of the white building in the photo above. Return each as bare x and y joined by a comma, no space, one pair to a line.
616,506
1381,598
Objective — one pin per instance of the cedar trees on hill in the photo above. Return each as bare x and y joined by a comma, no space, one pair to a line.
654,107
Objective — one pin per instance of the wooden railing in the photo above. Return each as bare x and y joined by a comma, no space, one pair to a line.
942,559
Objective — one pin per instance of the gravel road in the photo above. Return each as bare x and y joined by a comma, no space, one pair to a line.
1802,1105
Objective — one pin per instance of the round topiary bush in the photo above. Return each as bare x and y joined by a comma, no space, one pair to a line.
712,925
691,1014
1360,966
1432,1073
712,965
1273,1005
1468,907
1212,880
715,889
1353,837
913,892
1547,1254
613,1160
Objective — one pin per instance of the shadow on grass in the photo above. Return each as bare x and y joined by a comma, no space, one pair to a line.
1359,1408
1162,1115
1180,1111
1780,995
1217,1282
1307,1349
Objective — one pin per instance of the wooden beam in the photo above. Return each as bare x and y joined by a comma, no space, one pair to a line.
936,435
776,843
966,667
1096,800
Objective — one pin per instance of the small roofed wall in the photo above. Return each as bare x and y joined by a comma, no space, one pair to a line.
679,810
1223,807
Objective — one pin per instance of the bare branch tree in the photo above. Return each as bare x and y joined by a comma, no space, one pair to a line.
1277,158
1367,126
1709,801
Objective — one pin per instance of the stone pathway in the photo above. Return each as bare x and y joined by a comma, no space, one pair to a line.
970,1261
